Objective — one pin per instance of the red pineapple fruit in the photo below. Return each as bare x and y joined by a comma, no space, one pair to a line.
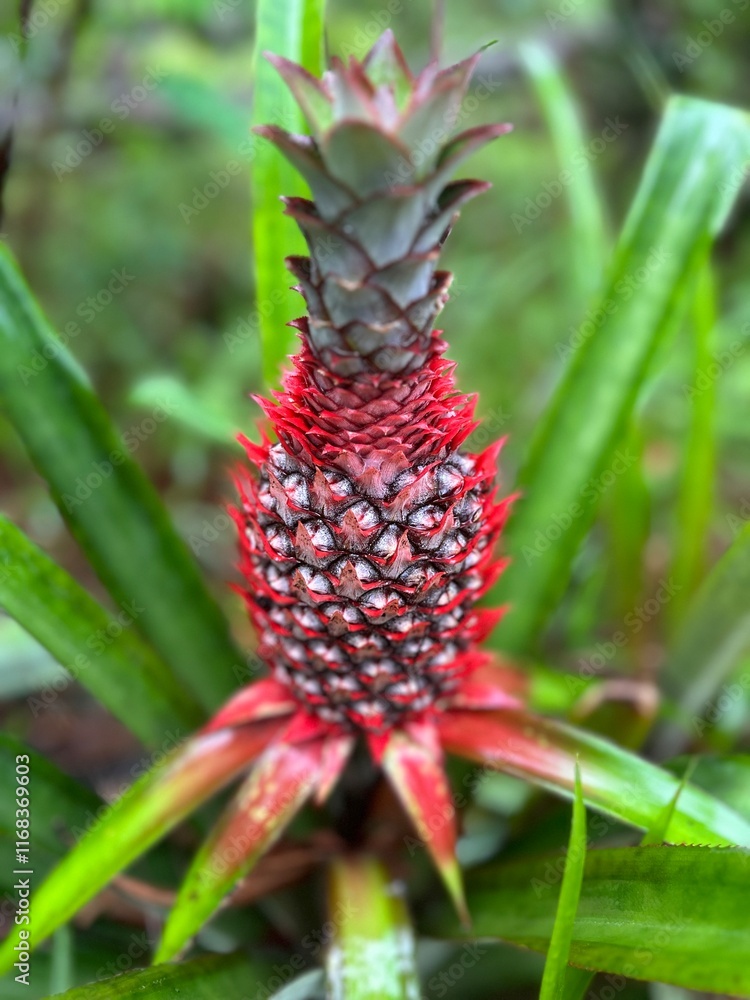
369,535
367,532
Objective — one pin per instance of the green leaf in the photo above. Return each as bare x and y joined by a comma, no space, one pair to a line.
657,832
726,777
715,633
556,966
698,475
681,203
59,807
189,410
293,30
626,513
213,978
100,650
588,238
61,971
615,782
372,953
667,914
110,506
312,51
265,804
147,811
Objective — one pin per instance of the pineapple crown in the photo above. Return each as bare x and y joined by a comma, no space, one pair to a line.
378,162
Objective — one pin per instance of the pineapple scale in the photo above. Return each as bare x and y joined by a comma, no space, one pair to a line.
364,565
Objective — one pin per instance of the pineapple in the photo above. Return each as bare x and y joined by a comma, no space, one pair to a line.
369,535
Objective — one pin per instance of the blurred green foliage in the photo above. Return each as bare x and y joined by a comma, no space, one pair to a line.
129,206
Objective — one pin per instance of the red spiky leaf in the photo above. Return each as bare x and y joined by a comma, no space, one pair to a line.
271,796
413,763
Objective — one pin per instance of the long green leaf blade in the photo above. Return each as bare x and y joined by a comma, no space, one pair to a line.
715,633
588,229
293,30
657,832
110,506
670,914
698,475
100,650
312,49
213,978
615,782
60,808
726,776
679,207
61,969
267,801
556,966
372,953
138,819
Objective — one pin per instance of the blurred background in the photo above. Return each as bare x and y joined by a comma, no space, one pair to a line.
128,202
